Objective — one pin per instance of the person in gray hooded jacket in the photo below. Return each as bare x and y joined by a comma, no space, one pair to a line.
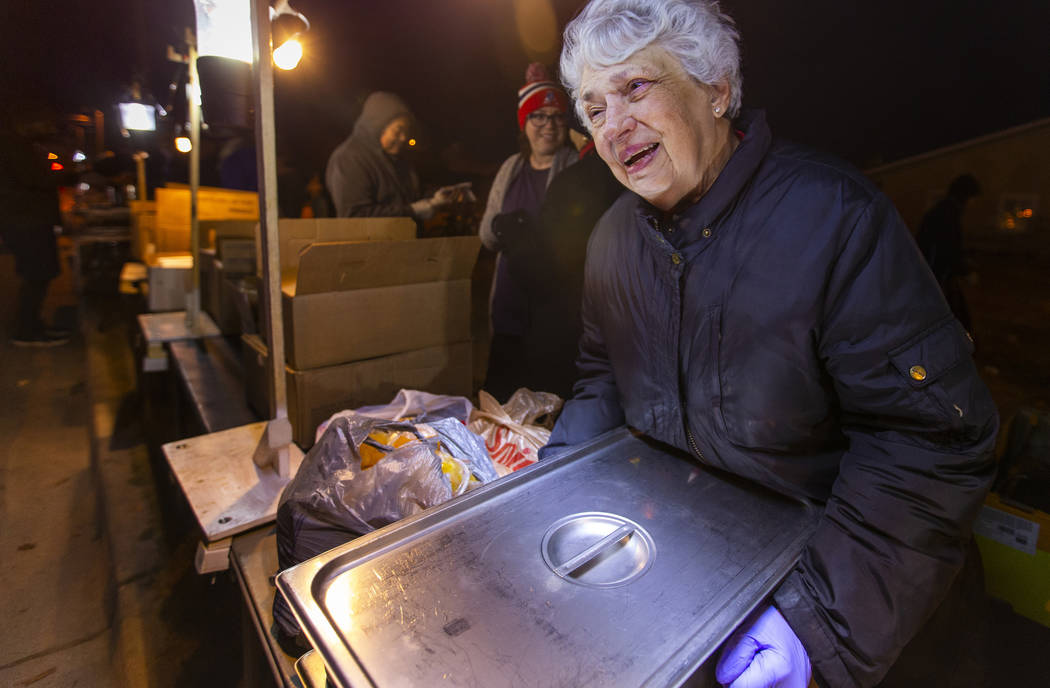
367,174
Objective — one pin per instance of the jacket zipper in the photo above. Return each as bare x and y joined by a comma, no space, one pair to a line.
692,442
677,259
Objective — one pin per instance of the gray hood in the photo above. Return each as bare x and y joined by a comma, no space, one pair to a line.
380,109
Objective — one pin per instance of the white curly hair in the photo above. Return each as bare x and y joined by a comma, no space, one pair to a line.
703,38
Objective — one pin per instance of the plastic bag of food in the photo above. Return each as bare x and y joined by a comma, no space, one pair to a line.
365,473
515,431
412,405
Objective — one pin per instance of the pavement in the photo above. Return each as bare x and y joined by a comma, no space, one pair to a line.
97,570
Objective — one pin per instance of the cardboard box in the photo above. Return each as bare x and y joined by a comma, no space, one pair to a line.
213,231
237,255
1015,549
234,243
314,395
350,301
173,213
296,234
169,276
219,294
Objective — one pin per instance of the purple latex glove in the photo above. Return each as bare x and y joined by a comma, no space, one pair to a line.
767,654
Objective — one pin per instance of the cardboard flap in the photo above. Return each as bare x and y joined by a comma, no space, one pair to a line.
295,234
341,266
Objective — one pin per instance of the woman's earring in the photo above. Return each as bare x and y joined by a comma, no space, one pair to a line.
717,109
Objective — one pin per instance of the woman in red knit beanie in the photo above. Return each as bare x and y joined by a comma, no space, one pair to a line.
514,201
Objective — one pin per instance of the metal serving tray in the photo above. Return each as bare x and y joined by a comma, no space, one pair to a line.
620,563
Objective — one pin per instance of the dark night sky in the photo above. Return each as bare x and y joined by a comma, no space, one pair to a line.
870,81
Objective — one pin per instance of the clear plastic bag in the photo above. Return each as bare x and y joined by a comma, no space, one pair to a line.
336,495
413,405
334,484
514,432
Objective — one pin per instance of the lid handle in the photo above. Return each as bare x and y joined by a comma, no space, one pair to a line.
594,550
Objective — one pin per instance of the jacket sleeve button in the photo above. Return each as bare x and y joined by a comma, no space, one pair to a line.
707,232
917,372
675,258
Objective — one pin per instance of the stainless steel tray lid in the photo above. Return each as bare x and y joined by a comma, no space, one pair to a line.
621,563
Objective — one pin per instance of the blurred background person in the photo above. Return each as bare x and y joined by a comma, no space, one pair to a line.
510,212
940,238
550,265
368,174
318,203
29,215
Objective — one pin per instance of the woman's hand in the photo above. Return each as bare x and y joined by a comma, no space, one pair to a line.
511,228
767,654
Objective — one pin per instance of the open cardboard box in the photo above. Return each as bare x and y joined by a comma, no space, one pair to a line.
295,234
314,395
349,301
172,222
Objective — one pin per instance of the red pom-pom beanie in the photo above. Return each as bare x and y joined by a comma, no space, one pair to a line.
540,90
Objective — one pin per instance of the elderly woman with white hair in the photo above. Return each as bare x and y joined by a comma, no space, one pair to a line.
763,307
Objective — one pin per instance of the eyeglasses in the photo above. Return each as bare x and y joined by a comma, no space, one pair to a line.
541,119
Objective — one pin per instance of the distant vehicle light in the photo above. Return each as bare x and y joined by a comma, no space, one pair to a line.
52,156
78,156
183,144
57,167
288,55
83,187
138,116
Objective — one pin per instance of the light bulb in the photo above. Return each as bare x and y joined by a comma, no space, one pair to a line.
288,55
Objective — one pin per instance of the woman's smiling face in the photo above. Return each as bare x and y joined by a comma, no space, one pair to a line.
656,127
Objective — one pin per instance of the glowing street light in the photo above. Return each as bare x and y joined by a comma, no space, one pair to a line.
288,54
286,25
183,144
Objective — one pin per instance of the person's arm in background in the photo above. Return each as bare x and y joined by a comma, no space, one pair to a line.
921,428
494,203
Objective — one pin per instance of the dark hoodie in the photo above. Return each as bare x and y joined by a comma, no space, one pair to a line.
365,181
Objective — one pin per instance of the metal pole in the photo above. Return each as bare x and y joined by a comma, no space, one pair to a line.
279,432
193,294
100,132
140,174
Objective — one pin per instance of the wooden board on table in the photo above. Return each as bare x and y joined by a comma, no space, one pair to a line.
227,492
171,326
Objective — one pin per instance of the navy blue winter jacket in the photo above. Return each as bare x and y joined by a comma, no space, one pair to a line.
786,328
